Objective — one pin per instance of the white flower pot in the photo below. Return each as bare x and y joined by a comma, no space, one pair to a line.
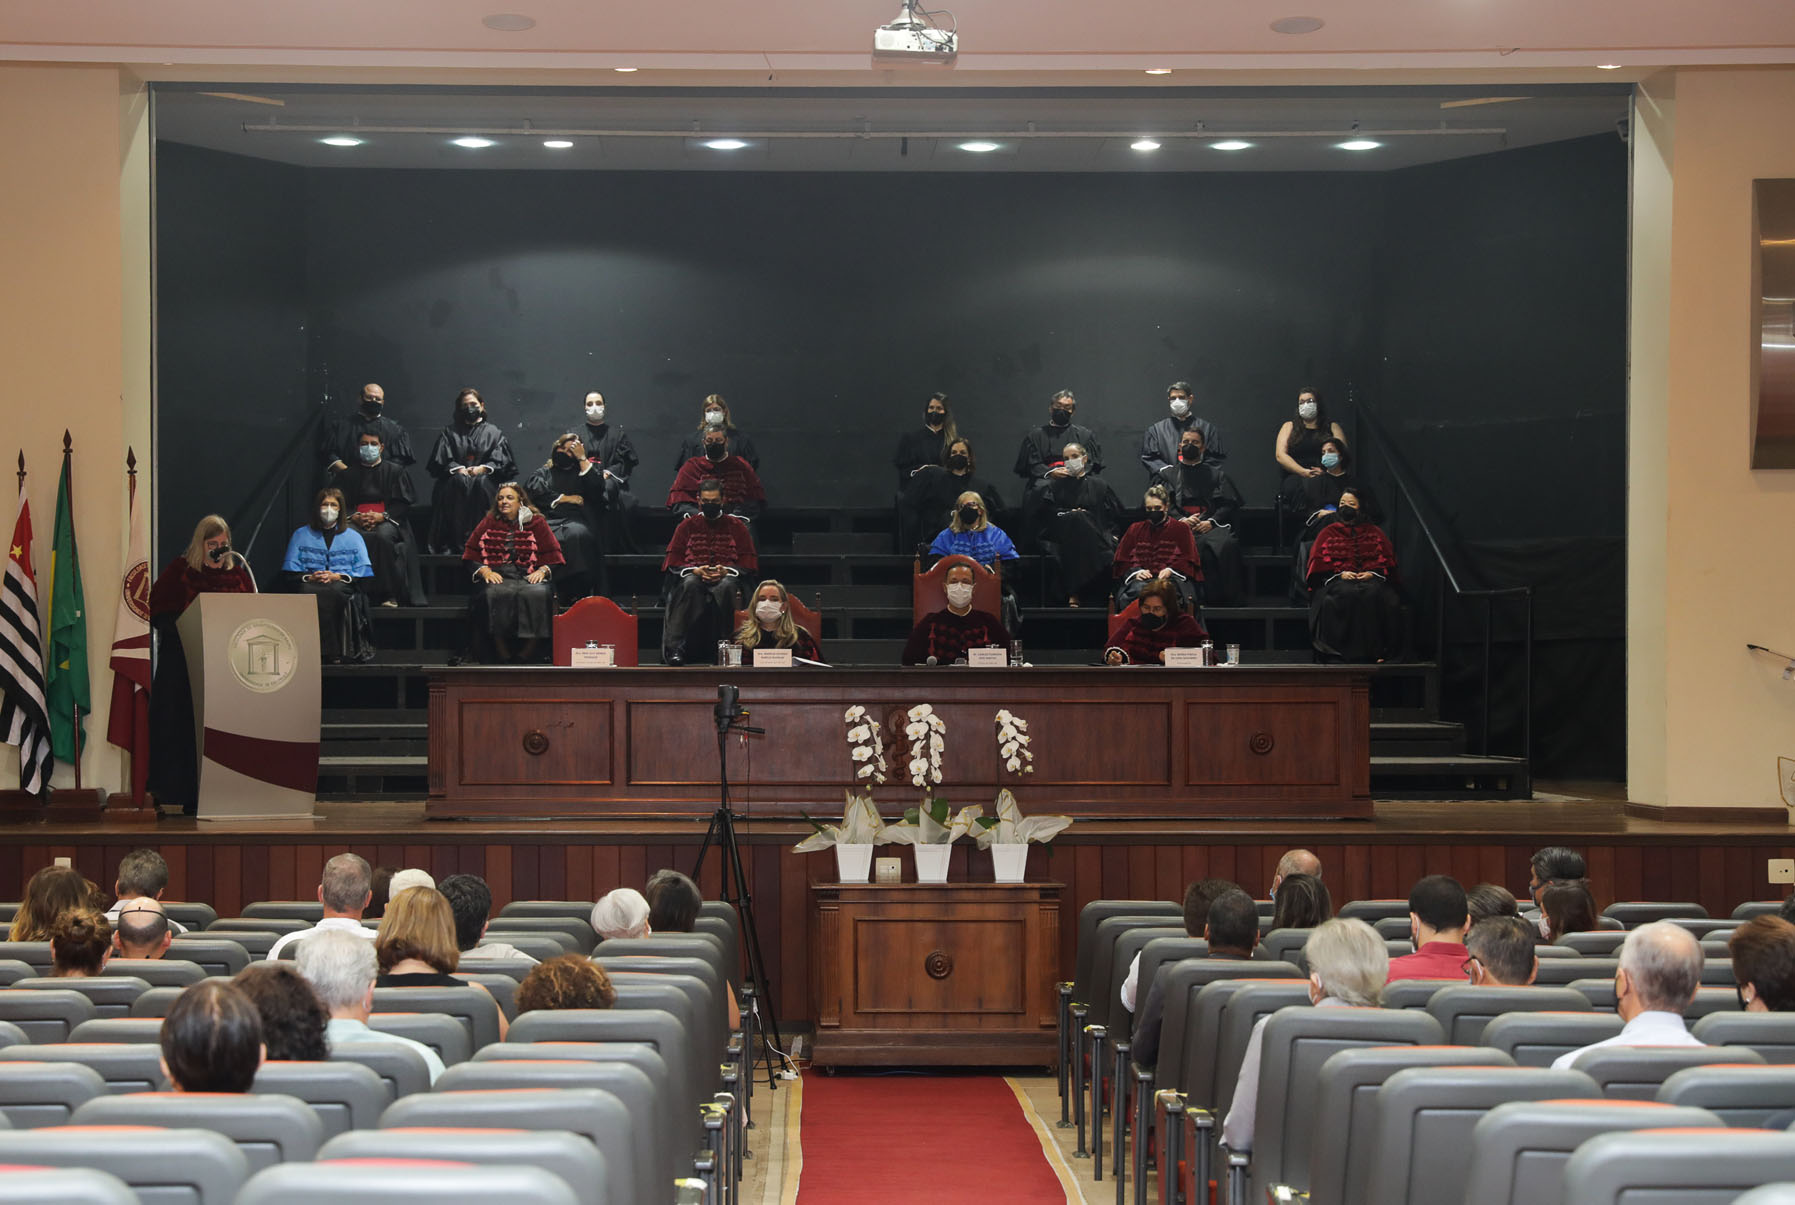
1010,860
931,862
853,862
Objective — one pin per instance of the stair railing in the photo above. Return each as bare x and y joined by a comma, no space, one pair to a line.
299,448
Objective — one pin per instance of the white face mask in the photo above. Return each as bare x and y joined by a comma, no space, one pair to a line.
959,595
1307,411
524,515
713,416
768,610
1180,407
595,414
327,515
1075,465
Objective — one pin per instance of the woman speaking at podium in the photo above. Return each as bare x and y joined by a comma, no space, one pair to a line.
209,566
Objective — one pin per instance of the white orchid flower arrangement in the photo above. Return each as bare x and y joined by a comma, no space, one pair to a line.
1012,743
1011,827
928,740
933,822
865,746
860,825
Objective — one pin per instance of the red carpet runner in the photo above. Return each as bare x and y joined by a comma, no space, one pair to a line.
940,1140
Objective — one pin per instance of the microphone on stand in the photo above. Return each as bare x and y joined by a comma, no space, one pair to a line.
931,662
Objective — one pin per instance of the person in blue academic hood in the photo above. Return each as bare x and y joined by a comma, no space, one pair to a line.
326,558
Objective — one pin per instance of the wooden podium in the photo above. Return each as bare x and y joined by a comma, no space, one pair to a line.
935,974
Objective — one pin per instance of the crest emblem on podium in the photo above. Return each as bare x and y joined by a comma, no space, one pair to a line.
263,655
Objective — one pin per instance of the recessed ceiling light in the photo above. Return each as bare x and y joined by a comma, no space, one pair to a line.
557,144
1358,144
726,144
981,147
1143,144
340,140
472,143
625,70
1159,71
1607,66
1297,25
1231,144
509,22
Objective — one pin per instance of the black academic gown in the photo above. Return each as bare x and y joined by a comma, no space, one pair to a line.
1304,448
927,503
1045,446
916,449
1075,520
392,545
576,525
341,437
1208,487
458,501
609,447
1159,445
693,445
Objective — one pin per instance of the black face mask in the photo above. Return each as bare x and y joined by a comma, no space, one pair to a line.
969,515
1060,418
1188,455
956,462
934,418
563,460
370,407
715,451
1347,514
470,413
216,555
712,510
1152,622
1156,517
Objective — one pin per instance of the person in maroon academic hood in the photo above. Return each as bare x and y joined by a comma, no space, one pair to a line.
208,566
1439,915
708,553
1157,548
1354,611
743,496
1161,625
513,552
944,636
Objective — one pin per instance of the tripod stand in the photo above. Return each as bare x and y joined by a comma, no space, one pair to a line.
729,715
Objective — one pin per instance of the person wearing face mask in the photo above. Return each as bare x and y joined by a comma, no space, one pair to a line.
325,558
513,551
709,551
1075,516
945,635
1299,448
571,489
970,532
1158,548
1041,457
921,449
769,624
207,566
1355,613
1159,445
470,458
1205,500
742,492
378,497
716,414
342,435
930,498
1321,493
609,449
1162,624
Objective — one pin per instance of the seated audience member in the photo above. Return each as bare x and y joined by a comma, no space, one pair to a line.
1320,496
971,533
343,435
1499,952
1199,896
416,943
1553,864
932,495
770,624
327,559
1763,954
1294,861
571,490
48,894
622,913
570,981
380,891
924,448
142,874
1040,458
1205,500
212,1040
1566,907
1348,966
673,902
1438,918
1487,899
608,447
1159,444
141,929
470,900
1301,902
1300,446
1660,968
470,458
743,494
513,553
1157,549
80,944
1162,624
1354,611
1232,930
942,637
344,889
293,1020
716,414
708,553
378,496
1074,515
341,968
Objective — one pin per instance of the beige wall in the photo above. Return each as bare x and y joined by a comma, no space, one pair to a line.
1709,539
73,144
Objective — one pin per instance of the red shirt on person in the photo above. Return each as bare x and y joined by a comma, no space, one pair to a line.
1434,960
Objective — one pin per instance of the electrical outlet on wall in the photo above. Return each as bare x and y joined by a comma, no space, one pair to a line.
888,870
65,862
1782,870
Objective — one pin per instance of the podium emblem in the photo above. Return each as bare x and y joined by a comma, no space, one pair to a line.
263,655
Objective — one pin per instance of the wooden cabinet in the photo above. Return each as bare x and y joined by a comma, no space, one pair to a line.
929,974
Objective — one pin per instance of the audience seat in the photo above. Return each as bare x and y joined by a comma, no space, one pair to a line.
1100,1000
641,1055
1394,927
119,1029
514,969
1596,944
1634,913
1372,911
725,929
1769,1194
1393,948
579,909
1711,1000
710,992
214,955
230,926
1286,945
401,1069
156,1002
404,1182
568,1157
307,912
476,1011
1518,1150
1740,1094
122,1067
601,621
62,1186
112,995
45,1093
45,1016
193,917
1772,1035
255,942
12,1035
1717,972
162,1166
687,998
446,1035
1089,916
575,936
707,946
1463,1009
662,1030
1558,972
12,970
1161,952
1536,1039
345,1096
268,1129
1599,993
1240,1011
1702,926
1635,1072
156,972
1119,1021
1716,947
1557,952
1191,1024
501,987
1413,993
539,946
592,1113
1755,908
1691,1167
35,954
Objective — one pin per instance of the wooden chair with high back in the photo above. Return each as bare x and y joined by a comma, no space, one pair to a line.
929,589
600,620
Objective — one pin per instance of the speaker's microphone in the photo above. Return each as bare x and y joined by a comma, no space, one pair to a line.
931,662
728,700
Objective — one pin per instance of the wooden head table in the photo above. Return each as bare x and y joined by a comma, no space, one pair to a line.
1265,742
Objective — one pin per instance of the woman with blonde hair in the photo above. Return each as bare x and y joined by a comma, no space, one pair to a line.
770,624
415,946
716,414
48,894
970,532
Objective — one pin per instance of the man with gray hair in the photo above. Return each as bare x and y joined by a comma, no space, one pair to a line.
142,874
341,969
1660,968
345,889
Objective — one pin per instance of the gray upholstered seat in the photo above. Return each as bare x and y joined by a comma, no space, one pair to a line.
215,955
191,916
124,1067
1703,926
268,1129
12,970
1690,1167
687,999
1634,1072
63,1186
641,1055
476,1011
1536,1039
232,925
1770,1034
1597,943
1372,911
1160,912
345,1096
1717,972
1557,951
35,954
45,1016
119,1029
156,1002
662,1030
255,942
577,929
501,987
1634,913
112,995
1754,908
1397,927
157,972
582,909
307,912
12,1035
1740,1094
409,1183
1557,972
1710,1000
1190,1032
400,1068
1518,1150
45,1093
541,947
1239,1012
1099,999
1463,1009
162,1166
1413,993
568,1157
1286,945
442,1033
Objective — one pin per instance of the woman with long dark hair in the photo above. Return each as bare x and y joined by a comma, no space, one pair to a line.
1298,447
470,458
1354,611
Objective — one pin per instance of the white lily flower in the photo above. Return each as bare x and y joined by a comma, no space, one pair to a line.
919,711
854,712
862,753
864,772
1012,765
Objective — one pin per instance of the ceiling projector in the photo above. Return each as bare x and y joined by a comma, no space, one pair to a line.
912,40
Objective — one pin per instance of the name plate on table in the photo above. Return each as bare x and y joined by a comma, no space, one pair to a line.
1184,659
772,658
987,658
594,658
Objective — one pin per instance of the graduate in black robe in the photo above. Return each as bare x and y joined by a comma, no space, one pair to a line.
378,495
341,436
1043,448
926,447
608,447
927,502
716,412
1075,516
570,491
1206,499
470,460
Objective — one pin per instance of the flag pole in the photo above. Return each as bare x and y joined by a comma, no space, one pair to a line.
79,804
128,804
